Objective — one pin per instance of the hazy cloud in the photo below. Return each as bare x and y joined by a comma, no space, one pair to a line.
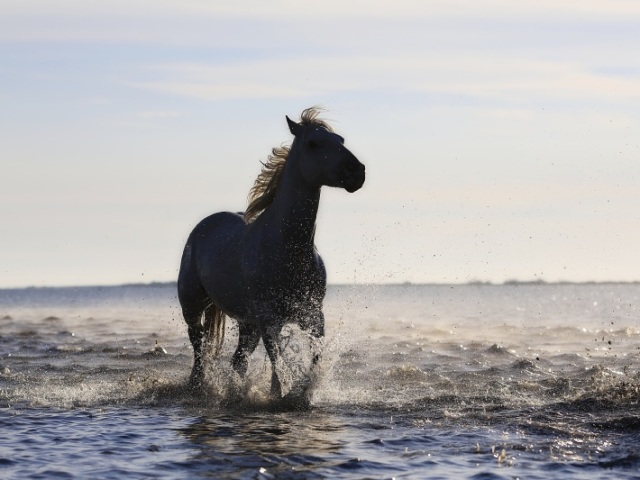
501,78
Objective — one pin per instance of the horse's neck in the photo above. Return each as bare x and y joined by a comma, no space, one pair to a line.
292,215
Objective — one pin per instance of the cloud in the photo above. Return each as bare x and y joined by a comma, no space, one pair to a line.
333,8
158,114
496,77
203,22
218,90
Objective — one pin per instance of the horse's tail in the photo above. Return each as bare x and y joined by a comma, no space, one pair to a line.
214,323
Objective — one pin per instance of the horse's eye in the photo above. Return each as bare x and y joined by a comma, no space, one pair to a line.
313,144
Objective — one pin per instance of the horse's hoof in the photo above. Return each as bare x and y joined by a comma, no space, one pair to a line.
297,400
275,393
275,397
196,381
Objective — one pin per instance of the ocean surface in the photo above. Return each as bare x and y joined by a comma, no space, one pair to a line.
531,381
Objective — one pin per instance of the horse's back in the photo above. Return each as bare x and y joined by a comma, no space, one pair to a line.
217,225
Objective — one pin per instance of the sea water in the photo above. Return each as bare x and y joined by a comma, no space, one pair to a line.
416,381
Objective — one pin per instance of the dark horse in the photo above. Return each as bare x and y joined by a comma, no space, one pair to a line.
262,268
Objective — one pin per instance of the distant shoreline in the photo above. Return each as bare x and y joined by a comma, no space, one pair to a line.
390,284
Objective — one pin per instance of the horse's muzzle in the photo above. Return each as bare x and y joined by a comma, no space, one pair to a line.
353,175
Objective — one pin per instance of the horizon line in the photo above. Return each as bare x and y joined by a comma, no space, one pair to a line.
509,282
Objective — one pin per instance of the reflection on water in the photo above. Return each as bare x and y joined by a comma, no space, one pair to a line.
295,435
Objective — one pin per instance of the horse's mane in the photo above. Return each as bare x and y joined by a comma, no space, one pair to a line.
265,187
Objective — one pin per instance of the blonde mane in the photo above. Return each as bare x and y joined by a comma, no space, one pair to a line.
265,187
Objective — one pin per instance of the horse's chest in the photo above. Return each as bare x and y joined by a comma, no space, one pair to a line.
290,295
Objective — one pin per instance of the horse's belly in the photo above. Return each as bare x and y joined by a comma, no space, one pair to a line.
283,306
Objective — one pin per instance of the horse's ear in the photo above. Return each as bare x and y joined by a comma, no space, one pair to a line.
294,128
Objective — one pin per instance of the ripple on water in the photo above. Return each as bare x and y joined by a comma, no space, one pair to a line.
421,402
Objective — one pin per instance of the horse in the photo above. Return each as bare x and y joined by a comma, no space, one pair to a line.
261,267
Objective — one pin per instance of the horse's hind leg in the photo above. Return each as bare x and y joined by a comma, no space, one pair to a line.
193,317
248,339
193,301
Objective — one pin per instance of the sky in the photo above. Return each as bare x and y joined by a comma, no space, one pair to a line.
501,139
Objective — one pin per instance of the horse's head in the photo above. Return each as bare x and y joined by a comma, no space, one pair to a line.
322,157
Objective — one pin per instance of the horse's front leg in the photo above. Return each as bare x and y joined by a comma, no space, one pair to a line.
315,325
271,340
317,333
248,339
